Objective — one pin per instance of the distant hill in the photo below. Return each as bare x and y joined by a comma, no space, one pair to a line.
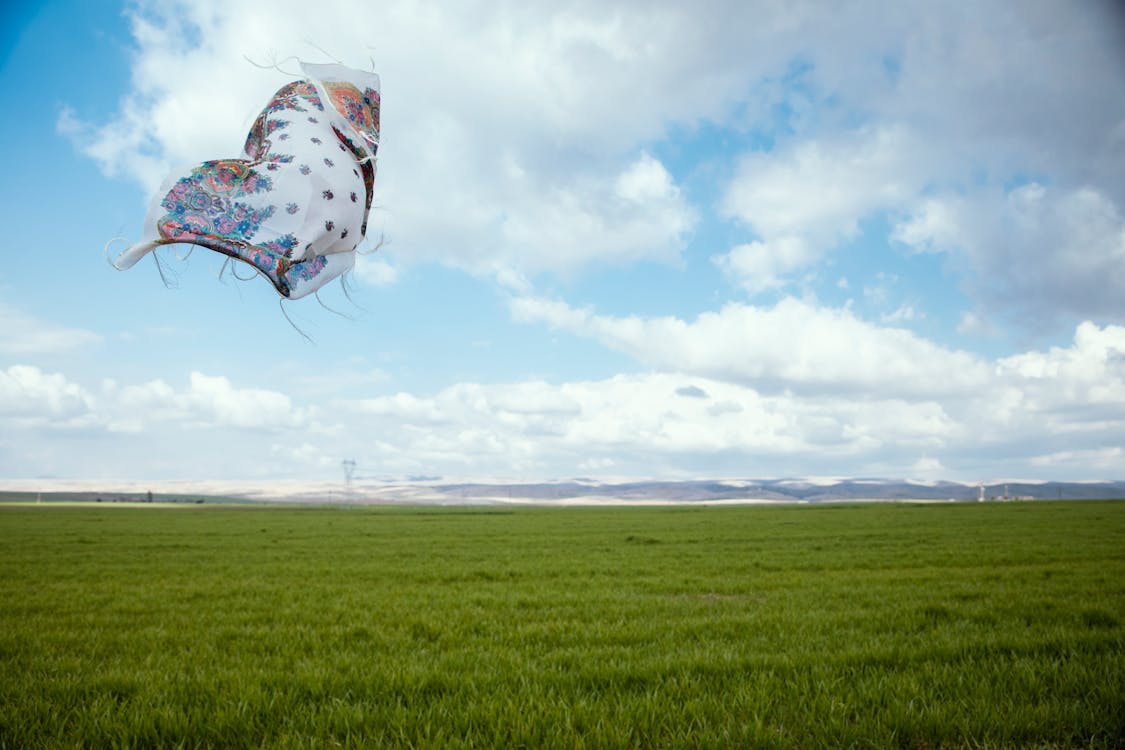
781,490
430,490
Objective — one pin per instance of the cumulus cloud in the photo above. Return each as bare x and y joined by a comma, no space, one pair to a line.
212,401
762,265
56,425
637,214
1065,400
953,111
822,189
767,409
1002,92
1039,252
487,148
875,389
33,396
512,134
794,345
1070,389
629,422
523,140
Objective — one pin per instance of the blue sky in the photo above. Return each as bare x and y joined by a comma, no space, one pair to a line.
622,239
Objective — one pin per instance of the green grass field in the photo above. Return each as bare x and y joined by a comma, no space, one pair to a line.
917,626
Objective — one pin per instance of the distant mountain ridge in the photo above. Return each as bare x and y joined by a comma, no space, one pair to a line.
435,490
782,490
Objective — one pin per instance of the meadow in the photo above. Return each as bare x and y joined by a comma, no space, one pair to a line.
914,626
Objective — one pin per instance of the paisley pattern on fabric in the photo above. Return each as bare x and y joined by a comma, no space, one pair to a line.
361,109
204,203
294,96
287,223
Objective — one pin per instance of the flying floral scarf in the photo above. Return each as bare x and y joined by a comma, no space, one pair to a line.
295,206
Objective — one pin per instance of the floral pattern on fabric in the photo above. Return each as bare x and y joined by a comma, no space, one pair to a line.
306,270
205,202
258,144
361,109
275,209
282,245
371,99
368,174
293,96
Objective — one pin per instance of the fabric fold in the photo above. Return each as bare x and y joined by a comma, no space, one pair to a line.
295,204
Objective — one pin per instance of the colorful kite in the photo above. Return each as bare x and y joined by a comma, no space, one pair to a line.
295,207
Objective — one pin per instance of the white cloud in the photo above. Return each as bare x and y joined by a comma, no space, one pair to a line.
821,189
1040,252
29,394
217,401
725,396
477,167
646,181
664,423
932,100
638,214
805,199
758,266
634,423
1070,390
901,313
1001,90
972,323
792,345
25,335
375,271
877,389
512,132
552,138
928,468
1108,459
210,401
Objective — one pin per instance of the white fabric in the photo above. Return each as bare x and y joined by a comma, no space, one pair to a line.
295,207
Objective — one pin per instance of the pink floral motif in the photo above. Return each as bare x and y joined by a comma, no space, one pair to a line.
264,260
204,202
290,96
307,269
283,245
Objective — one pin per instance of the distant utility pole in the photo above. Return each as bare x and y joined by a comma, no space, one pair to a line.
348,465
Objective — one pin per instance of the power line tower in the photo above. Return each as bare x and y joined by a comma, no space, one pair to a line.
348,465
